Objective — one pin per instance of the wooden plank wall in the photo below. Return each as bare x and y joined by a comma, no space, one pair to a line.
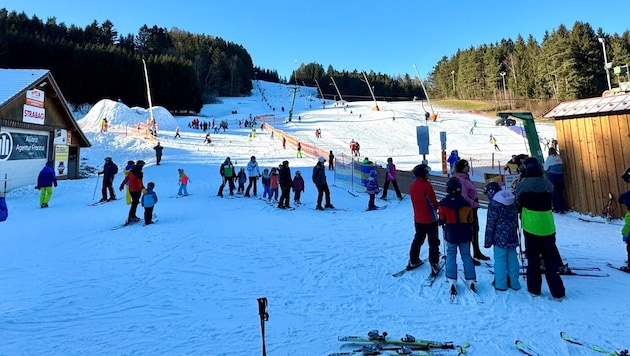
595,151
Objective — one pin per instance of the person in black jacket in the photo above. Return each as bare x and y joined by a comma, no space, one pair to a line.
319,178
286,183
109,171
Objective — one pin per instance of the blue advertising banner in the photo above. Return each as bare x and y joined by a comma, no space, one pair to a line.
20,146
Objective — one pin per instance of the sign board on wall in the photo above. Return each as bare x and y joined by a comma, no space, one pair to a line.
61,137
61,160
34,112
19,146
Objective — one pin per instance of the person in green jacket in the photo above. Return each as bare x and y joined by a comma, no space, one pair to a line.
533,198
228,174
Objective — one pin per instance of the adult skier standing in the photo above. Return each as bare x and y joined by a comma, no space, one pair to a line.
109,171
319,178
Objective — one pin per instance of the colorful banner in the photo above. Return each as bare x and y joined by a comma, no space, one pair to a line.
61,160
17,146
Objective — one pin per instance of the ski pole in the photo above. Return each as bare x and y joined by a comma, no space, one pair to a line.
264,316
520,248
96,186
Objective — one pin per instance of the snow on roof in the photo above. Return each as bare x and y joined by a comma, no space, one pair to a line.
590,106
14,81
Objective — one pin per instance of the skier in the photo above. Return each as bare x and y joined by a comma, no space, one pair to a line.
45,182
284,142
390,176
299,150
134,177
425,207
109,171
253,172
128,168
331,160
265,182
183,183
319,178
494,143
4,211
456,215
298,187
469,192
207,139
228,174
553,167
501,232
149,199
177,133
241,178
534,198
273,184
158,152
286,183
372,189
452,158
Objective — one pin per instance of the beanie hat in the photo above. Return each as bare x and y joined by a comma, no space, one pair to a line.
532,167
151,185
373,174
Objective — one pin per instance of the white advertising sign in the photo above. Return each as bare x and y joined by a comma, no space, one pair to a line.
35,98
33,115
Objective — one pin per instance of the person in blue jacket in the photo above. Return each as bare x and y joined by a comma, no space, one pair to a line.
4,211
372,189
149,199
454,157
45,181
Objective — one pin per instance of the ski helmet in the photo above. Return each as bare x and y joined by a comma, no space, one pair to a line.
151,185
140,163
491,189
421,170
373,174
321,159
453,186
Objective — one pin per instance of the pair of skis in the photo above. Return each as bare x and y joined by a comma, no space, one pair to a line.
528,350
408,345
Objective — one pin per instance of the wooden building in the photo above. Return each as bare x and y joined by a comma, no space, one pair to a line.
594,143
36,126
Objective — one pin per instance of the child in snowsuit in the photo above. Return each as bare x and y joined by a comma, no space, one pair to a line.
241,178
149,199
265,183
183,182
128,167
273,184
372,189
298,187
456,216
502,233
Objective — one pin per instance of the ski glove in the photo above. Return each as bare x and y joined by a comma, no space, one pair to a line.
626,238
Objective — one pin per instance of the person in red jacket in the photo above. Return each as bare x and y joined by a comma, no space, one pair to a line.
134,177
425,207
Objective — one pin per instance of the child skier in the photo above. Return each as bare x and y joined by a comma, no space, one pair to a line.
456,216
127,169
265,183
149,199
273,184
183,183
241,178
372,189
298,187
501,231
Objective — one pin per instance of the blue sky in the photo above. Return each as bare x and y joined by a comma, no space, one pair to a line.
383,36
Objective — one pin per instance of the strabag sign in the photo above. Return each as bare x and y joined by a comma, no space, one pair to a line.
34,112
19,146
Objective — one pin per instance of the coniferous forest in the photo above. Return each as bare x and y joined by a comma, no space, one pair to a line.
187,70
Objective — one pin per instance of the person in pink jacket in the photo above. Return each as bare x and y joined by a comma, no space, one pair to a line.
469,192
390,176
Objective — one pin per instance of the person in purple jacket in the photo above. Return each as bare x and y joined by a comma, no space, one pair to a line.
390,176
298,187
45,181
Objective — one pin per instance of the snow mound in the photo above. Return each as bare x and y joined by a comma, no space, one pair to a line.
119,114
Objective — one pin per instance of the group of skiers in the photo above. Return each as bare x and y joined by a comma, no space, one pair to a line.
274,180
457,214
